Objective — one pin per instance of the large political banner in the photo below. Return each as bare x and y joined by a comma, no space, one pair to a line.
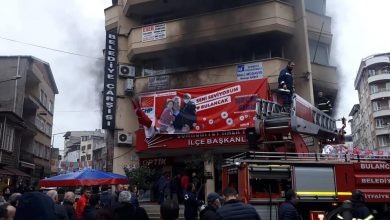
221,107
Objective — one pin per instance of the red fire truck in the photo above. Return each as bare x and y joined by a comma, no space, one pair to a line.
284,159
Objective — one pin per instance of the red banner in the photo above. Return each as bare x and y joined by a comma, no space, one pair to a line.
222,107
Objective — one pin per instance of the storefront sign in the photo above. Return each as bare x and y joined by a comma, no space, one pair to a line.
208,139
156,83
110,74
154,32
372,166
373,180
222,107
158,161
250,71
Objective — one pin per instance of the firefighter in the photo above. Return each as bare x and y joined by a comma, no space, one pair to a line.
286,84
360,210
324,103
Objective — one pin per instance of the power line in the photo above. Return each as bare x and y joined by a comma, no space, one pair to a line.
52,49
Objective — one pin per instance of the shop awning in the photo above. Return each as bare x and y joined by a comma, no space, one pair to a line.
15,172
5,172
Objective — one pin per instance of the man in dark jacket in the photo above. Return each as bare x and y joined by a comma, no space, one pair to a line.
191,203
213,204
35,206
233,209
324,104
188,113
286,84
92,207
126,210
69,199
169,210
59,210
359,209
287,210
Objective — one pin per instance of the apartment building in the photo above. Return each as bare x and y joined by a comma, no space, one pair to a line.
182,44
373,85
27,96
86,148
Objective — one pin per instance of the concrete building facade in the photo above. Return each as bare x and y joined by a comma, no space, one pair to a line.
373,85
26,111
87,148
202,43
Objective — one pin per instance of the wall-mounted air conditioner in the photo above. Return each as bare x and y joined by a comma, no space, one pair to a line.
126,71
125,138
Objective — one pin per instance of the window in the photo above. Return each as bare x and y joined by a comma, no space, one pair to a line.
379,123
371,72
316,6
382,141
374,89
88,156
84,138
51,107
321,52
40,123
388,86
376,106
82,158
43,98
83,148
9,138
89,146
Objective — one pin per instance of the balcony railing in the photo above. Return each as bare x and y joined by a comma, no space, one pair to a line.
376,73
381,90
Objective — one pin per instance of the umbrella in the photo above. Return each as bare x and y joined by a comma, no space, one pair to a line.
86,177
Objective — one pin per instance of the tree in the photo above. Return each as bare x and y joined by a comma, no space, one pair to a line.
143,177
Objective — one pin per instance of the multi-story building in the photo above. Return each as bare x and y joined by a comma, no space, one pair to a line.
179,44
86,148
26,109
373,85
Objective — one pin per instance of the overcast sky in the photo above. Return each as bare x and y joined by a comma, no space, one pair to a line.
360,29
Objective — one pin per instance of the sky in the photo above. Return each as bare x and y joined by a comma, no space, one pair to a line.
72,25
359,29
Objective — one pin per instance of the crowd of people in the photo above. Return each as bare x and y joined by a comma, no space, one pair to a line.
93,204
103,204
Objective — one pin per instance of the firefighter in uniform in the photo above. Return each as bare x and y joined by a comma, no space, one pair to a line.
324,104
286,84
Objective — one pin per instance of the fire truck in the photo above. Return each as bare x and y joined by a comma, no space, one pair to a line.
283,157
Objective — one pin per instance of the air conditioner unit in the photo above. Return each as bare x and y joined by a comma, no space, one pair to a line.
125,138
129,85
126,71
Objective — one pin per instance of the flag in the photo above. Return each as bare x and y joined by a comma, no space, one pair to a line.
143,119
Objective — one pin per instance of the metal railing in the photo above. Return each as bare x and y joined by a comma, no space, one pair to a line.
253,156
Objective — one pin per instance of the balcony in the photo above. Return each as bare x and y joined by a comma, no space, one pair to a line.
112,16
314,24
383,111
376,60
381,93
232,23
213,75
382,131
379,76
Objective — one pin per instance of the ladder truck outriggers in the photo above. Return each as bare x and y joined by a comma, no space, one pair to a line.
283,157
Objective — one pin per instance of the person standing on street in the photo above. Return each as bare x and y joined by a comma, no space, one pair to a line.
213,204
69,200
83,201
359,209
191,203
286,84
287,210
234,209
92,207
59,210
128,211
